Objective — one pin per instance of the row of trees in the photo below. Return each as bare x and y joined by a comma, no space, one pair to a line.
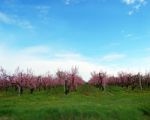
101,79
27,80
20,80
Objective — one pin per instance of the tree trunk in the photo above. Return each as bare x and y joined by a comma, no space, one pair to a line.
66,88
19,90
140,83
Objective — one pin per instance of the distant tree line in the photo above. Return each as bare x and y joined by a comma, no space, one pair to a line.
128,80
27,80
70,80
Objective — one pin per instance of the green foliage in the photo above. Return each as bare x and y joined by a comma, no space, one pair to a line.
87,103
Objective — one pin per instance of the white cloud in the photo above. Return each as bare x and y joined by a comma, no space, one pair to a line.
113,57
35,50
135,5
142,1
68,55
43,10
128,2
29,57
130,12
14,20
5,18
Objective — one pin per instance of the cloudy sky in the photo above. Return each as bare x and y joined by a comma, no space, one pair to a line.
94,35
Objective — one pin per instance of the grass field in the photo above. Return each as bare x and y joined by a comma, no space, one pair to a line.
87,103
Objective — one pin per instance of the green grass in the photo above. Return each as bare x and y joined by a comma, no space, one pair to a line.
87,103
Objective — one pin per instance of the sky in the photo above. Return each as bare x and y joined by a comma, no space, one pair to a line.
93,35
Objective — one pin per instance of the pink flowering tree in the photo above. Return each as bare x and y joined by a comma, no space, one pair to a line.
98,79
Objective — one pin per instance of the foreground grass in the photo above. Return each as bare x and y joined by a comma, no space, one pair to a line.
87,103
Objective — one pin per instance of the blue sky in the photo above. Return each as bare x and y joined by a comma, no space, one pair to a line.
108,35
